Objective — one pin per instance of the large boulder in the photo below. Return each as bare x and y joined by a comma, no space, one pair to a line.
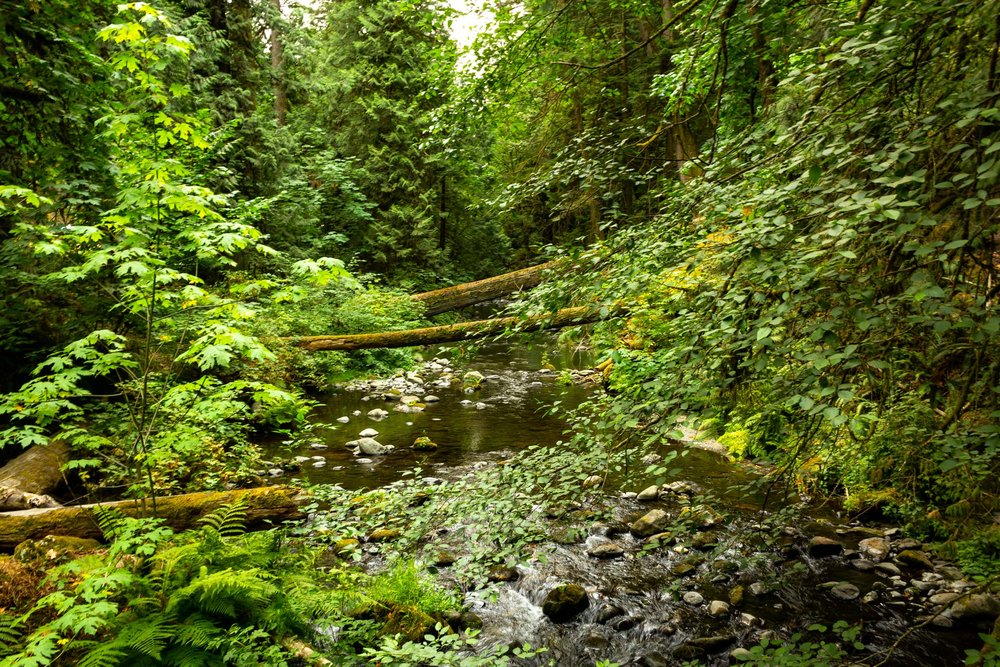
564,602
874,548
977,606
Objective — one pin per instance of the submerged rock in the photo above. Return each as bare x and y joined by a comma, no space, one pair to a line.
424,444
343,420
606,550
564,602
377,414
368,433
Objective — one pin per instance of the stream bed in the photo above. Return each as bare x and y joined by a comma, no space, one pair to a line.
737,576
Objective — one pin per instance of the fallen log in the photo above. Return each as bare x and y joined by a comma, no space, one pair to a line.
467,294
266,504
450,333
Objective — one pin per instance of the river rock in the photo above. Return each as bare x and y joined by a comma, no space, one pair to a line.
319,464
409,399
975,607
915,559
275,472
343,420
888,568
681,488
704,541
564,602
424,444
718,608
654,521
759,588
944,598
649,493
863,565
608,612
593,481
822,547
740,654
693,598
623,623
845,591
713,644
318,445
481,406
431,398
377,414
683,569
383,535
650,459
369,446
874,548
736,595
606,550
499,573
368,433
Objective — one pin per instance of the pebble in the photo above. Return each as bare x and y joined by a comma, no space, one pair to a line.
368,433
431,398
343,420
887,568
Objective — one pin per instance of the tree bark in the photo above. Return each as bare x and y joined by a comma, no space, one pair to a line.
37,470
278,66
467,294
266,504
455,332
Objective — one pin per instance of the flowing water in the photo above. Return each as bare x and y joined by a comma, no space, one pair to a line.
637,614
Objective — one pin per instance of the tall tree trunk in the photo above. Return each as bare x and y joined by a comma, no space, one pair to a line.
277,66
766,84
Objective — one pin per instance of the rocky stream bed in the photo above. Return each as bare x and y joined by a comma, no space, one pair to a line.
641,574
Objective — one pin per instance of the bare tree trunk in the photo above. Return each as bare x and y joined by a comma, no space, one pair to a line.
467,294
567,317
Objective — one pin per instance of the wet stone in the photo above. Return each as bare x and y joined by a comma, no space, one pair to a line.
888,568
654,659
713,644
736,595
683,569
845,591
759,588
974,607
822,547
608,612
606,550
916,559
593,481
564,602
704,541
944,598
502,573
740,654
623,623
863,565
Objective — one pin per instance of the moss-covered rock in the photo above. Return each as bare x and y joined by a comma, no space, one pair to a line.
564,602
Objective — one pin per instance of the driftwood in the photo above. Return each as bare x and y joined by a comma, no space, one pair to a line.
454,332
269,503
467,294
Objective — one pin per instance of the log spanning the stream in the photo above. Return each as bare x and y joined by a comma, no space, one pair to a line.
449,333
467,294
264,506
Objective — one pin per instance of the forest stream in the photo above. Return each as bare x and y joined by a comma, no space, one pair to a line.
701,598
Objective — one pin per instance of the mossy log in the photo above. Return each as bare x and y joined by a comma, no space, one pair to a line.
455,332
467,294
38,470
272,504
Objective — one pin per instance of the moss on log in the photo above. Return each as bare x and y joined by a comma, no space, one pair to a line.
455,332
37,470
467,294
267,504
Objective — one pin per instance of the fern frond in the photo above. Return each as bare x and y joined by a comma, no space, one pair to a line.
196,632
109,654
227,592
11,632
110,521
227,520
